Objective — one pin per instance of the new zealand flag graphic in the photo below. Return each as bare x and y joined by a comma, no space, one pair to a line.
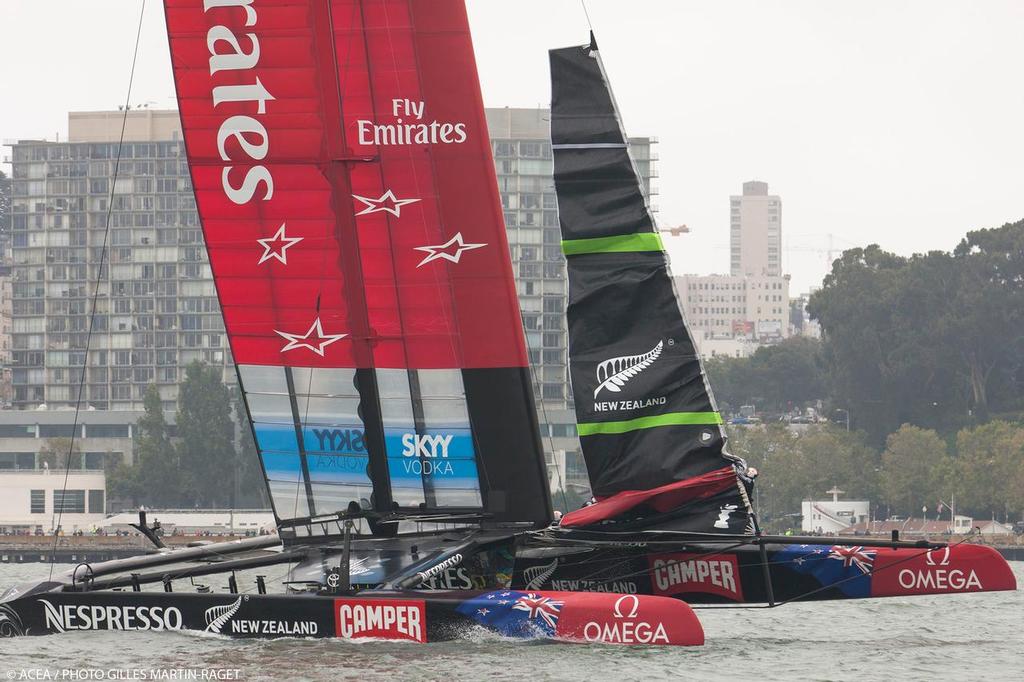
848,569
515,614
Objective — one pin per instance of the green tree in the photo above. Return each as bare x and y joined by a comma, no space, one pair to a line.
251,488
984,322
799,465
768,449
155,477
789,373
775,378
123,484
989,477
915,466
935,340
206,433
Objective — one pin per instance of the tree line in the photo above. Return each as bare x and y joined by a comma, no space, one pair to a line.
981,470
211,462
935,340
924,356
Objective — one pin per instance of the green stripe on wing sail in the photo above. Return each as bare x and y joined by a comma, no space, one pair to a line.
654,421
626,243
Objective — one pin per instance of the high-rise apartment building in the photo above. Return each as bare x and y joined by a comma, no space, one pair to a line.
6,390
735,314
522,154
755,232
156,308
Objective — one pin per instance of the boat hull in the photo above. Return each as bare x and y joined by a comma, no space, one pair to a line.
711,574
405,616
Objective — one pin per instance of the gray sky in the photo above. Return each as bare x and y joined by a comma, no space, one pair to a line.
897,121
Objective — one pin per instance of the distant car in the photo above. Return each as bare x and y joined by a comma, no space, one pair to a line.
1018,528
745,420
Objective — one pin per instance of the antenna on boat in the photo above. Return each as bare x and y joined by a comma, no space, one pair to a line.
149,531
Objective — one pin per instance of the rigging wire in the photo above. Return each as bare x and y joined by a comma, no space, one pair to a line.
583,4
537,387
356,10
58,514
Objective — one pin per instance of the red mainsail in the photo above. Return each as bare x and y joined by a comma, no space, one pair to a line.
343,172
344,178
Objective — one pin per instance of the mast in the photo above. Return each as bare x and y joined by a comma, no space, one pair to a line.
649,429
344,179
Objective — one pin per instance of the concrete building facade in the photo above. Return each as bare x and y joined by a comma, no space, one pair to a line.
101,437
755,232
734,314
832,517
29,501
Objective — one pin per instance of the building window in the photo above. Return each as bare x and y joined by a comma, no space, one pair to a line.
59,431
19,430
69,501
37,502
107,430
96,502
17,460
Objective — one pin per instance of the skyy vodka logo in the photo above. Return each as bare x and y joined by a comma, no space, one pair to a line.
427,453
410,127
614,373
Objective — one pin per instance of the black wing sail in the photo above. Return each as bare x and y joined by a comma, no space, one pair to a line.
649,429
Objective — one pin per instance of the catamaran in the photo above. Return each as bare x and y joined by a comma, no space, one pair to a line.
673,513
343,175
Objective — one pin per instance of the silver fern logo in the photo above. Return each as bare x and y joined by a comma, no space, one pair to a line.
538,575
612,374
218,616
10,623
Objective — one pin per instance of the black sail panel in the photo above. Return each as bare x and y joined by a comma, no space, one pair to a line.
649,429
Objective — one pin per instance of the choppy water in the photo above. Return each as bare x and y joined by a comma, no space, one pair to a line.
955,637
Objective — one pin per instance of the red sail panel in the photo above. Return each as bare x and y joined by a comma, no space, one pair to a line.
255,129
342,169
432,237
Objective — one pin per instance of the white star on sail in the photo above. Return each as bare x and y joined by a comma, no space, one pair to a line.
314,339
442,251
277,246
387,202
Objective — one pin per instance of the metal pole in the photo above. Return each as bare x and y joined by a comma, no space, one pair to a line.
345,585
765,568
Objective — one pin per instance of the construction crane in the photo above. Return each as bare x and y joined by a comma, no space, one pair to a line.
674,231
